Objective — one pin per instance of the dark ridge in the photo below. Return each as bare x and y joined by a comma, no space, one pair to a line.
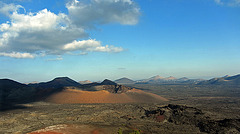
66,81
108,82
59,82
125,81
10,84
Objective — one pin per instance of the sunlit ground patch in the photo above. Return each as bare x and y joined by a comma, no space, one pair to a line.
74,129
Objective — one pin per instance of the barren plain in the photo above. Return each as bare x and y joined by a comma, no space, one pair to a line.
189,109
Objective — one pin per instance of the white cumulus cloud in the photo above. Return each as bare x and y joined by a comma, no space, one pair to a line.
17,55
46,33
90,45
42,31
7,9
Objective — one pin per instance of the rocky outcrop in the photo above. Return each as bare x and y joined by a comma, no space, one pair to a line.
116,88
184,115
107,85
149,118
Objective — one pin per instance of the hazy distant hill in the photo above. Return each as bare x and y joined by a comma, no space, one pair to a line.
85,82
157,77
226,80
168,80
124,81
183,79
105,82
57,83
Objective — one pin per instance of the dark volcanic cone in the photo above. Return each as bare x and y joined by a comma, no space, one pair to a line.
59,82
108,82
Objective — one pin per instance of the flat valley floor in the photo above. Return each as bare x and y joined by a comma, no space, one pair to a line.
190,109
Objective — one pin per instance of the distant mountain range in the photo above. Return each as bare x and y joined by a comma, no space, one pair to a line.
226,80
169,80
159,80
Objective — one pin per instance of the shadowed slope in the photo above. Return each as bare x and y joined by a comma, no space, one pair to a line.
12,93
10,84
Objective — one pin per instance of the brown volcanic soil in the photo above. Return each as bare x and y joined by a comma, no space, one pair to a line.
48,118
69,96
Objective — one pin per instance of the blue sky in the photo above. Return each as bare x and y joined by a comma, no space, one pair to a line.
98,39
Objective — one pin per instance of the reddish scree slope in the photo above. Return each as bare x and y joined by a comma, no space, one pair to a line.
68,96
